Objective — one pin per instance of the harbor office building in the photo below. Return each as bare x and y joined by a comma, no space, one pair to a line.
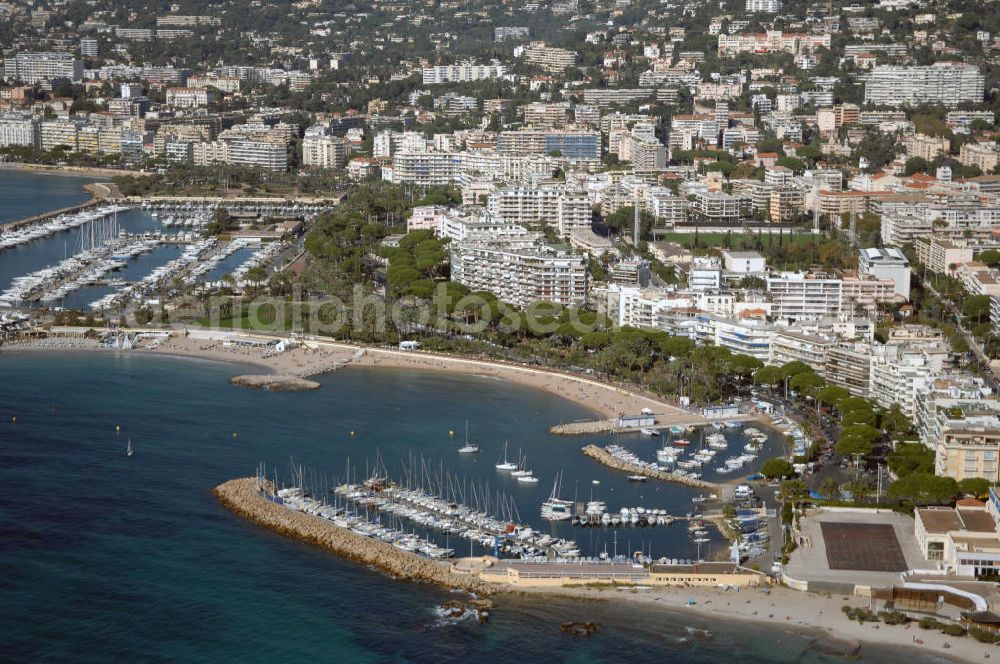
963,541
558,574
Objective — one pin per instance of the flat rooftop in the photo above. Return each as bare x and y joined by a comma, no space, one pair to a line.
869,547
849,560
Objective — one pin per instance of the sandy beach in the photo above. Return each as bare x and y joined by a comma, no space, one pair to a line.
811,614
87,171
604,399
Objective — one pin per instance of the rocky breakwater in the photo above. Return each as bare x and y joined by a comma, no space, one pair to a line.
580,428
276,382
242,497
606,458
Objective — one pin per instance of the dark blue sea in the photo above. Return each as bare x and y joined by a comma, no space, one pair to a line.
106,558
24,193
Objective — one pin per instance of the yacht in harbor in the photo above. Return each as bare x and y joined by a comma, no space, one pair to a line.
555,508
521,471
505,464
468,448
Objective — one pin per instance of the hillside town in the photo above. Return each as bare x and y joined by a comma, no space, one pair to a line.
786,208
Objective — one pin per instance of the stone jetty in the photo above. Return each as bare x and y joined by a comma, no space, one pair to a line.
241,496
603,456
51,214
683,419
276,382
580,428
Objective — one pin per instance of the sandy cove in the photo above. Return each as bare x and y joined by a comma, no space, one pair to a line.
604,399
809,614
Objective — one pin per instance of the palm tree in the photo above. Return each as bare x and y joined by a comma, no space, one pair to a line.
830,489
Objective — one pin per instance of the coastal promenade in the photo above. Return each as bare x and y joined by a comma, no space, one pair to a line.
242,497
603,457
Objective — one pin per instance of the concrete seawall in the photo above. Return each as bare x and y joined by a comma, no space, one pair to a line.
604,457
241,497
51,214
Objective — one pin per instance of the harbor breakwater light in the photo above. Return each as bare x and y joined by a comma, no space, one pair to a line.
242,497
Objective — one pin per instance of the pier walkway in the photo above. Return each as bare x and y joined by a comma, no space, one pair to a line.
604,457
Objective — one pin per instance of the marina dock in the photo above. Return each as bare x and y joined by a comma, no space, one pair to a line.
602,456
244,498
51,214
682,419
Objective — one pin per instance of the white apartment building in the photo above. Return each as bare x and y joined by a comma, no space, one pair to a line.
668,209
763,6
719,206
803,296
269,155
940,255
189,97
227,84
646,154
898,376
388,142
849,366
33,68
793,345
460,73
943,83
324,151
898,230
746,336
54,133
886,264
19,129
477,227
426,168
520,275
549,58
705,273
564,209
744,262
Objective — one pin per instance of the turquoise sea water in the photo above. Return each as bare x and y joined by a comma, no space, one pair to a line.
108,558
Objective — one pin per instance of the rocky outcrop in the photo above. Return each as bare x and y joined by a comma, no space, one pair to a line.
276,382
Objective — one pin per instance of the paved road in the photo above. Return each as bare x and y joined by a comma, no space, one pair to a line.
977,350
